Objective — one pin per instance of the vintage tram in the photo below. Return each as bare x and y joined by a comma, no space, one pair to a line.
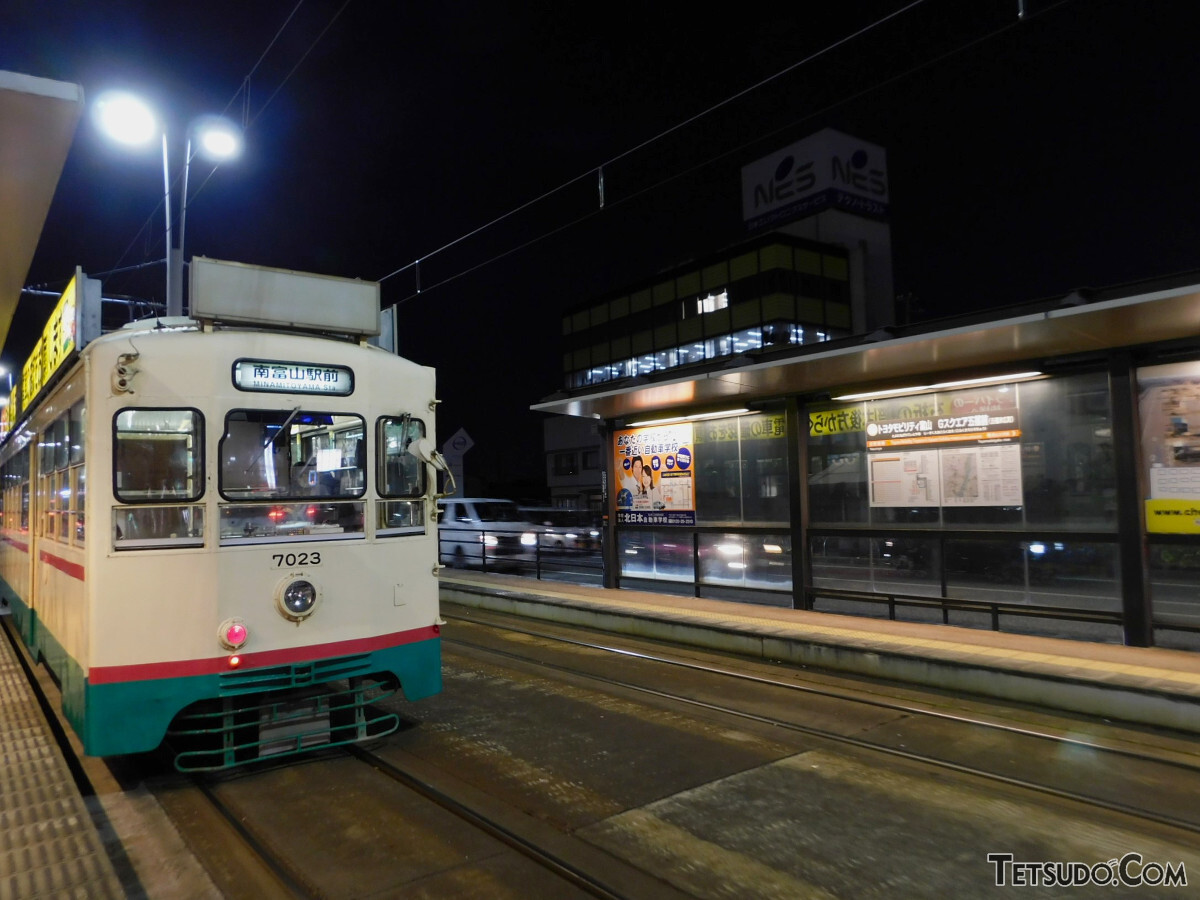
222,526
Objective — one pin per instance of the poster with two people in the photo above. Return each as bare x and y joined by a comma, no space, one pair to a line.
655,475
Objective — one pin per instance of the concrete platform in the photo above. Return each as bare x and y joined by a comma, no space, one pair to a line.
1146,686
50,845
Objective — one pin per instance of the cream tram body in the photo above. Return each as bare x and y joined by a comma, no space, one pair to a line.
178,530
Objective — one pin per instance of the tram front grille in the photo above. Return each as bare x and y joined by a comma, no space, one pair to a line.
295,675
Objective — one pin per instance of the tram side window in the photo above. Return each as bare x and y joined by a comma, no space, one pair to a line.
400,475
15,477
76,471
158,455
60,477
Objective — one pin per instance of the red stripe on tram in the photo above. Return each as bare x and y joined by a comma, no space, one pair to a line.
63,565
20,545
286,656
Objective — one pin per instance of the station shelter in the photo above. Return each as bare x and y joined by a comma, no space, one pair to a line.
1034,470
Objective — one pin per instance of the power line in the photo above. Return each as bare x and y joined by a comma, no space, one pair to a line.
1023,17
598,171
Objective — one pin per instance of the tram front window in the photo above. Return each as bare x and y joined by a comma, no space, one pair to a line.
157,455
316,460
272,454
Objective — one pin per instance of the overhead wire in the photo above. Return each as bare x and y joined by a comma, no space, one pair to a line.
647,142
608,203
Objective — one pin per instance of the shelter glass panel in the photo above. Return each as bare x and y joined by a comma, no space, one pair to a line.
763,443
664,555
1175,584
718,471
762,561
968,457
1073,574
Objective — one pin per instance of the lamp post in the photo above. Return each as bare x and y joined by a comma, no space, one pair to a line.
129,121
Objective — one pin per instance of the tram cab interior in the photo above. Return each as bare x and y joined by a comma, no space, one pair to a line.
313,463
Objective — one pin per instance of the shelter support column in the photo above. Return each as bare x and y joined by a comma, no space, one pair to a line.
1131,513
797,472
609,574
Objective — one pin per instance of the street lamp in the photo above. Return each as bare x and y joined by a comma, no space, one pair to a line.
127,120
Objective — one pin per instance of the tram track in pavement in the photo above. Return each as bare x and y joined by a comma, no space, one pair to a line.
1120,749
574,869
242,860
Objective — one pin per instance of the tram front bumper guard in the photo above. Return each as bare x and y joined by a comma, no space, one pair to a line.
240,730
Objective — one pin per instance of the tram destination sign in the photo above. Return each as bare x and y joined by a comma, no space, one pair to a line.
278,376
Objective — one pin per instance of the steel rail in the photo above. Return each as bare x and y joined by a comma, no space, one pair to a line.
838,695
510,838
859,743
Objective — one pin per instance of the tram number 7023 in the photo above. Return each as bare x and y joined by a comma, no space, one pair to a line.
291,560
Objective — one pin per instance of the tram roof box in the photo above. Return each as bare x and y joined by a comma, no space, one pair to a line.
258,295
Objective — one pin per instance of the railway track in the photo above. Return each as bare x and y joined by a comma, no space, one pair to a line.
406,816
1123,756
566,870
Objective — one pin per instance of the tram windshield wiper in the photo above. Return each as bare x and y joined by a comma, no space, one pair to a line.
271,439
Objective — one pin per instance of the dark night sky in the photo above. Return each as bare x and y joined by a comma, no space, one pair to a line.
1025,158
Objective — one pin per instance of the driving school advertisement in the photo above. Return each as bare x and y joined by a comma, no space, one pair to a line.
655,475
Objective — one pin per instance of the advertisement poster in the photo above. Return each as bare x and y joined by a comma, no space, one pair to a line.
905,479
948,449
655,475
1169,410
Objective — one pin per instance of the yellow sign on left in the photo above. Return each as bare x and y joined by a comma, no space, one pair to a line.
51,350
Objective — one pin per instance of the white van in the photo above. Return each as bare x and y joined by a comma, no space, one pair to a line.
483,531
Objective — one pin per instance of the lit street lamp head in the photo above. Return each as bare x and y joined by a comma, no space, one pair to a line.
125,118
218,138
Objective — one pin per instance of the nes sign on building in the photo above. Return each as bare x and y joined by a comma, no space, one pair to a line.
826,170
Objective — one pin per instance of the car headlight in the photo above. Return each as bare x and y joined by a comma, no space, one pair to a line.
528,539
297,599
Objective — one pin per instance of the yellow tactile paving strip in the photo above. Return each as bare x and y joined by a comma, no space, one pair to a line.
1163,670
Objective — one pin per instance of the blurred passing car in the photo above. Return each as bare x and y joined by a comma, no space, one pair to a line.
563,528
483,531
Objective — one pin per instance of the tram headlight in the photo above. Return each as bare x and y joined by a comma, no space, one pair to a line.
297,599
